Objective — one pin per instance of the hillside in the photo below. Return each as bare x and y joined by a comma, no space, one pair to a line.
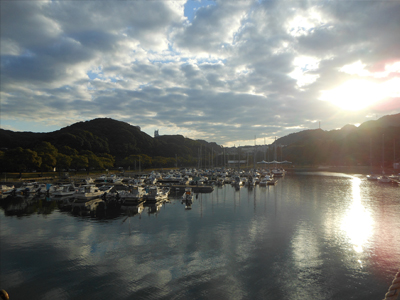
110,136
371,142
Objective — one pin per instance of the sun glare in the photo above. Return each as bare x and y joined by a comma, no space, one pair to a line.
354,94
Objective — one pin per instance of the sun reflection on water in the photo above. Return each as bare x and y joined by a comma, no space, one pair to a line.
357,222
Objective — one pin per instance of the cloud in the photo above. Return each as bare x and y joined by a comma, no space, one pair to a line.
225,72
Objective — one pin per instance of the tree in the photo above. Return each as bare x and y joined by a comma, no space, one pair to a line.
145,160
22,159
107,160
93,161
79,162
68,151
63,161
48,153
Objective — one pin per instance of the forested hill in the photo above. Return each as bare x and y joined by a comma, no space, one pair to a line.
370,143
106,135
108,142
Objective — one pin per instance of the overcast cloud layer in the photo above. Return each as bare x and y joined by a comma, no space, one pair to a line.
223,71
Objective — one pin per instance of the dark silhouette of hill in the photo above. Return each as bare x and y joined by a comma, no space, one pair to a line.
105,135
371,142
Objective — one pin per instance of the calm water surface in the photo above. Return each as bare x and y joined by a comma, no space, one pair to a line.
312,236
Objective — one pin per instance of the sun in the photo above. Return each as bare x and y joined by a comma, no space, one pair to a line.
354,94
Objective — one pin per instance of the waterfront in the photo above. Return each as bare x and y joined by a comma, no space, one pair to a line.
313,235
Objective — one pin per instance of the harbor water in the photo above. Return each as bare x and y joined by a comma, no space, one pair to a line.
310,236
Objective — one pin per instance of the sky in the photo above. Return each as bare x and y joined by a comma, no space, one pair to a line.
230,72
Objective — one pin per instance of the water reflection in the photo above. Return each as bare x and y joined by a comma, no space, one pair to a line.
357,221
289,241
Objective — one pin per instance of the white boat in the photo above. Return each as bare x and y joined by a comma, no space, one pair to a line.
5,189
265,180
88,192
155,194
114,179
278,172
26,188
89,180
133,195
65,190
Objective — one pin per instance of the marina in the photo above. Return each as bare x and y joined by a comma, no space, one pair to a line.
333,234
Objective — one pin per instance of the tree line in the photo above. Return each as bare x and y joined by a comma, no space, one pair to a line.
46,157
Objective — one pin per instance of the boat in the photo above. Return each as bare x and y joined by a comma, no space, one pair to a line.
265,180
65,190
188,194
133,196
88,192
278,172
5,189
156,194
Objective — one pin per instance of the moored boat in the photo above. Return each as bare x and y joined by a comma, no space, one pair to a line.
88,192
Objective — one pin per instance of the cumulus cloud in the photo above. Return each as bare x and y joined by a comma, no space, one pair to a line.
224,72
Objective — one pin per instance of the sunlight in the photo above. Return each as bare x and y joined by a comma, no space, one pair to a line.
302,65
355,94
357,223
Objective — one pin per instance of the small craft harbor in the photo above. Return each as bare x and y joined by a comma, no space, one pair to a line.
126,190
130,191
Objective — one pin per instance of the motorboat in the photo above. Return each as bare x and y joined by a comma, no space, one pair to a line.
134,195
88,192
155,194
65,190
264,181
